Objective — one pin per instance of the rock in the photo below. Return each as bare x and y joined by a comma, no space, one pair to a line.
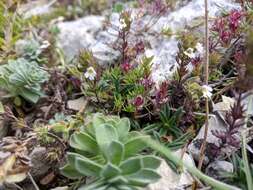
215,123
170,179
217,168
83,34
39,162
77,104
36,8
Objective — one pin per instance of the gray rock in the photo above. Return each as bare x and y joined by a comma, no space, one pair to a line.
39,162
36,8
87,33
77,104
170,180
215,123
217,168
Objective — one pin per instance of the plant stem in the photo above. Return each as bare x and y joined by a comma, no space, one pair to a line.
246,163
203,146
192,169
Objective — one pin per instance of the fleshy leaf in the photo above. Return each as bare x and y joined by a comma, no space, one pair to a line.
135,145
131,165
151,162
87,167
105,134
143,177
110,171
115,152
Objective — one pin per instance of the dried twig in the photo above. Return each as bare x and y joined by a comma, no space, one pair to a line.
203,146
33,181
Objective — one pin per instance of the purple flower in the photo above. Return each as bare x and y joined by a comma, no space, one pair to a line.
126,66
234,20
147,83
75,82
225,36
139,47
162,93
138,101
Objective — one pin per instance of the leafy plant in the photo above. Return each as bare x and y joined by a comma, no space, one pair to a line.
22,78
108,152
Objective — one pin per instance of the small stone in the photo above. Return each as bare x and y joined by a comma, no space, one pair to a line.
77,104
218,167
39,162
170,180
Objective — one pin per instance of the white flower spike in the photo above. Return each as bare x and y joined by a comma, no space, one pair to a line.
207,91
90,74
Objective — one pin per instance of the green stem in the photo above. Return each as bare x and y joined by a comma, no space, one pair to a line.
246,163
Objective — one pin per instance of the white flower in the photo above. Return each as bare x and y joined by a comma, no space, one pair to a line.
207,91
90,73
190,53
190,67
45,44
122,24
199,48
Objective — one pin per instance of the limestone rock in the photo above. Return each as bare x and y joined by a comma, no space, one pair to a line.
76,104
170,180
217,168
40,165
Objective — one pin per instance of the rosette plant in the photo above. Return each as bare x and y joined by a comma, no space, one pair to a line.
108,152
23,78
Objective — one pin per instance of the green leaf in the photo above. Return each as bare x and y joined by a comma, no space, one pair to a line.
123,127
97,185
135,145
151,162
131,165
115,152
87,167
1,108
70,172
98,119
110,171
126,187
143,177
84,142
29,95
118,180
118,7
105,134
246,164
